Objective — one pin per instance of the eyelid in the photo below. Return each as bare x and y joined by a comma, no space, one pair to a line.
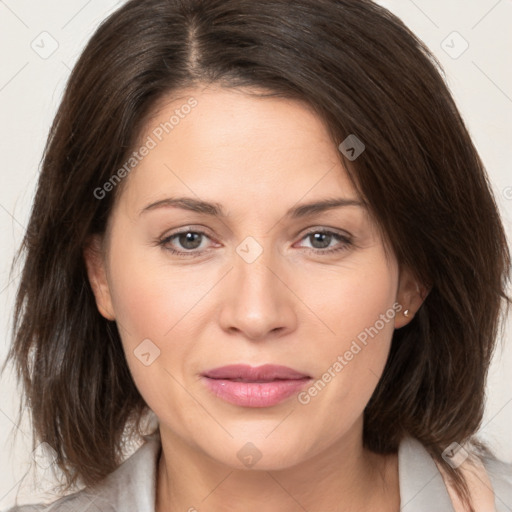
187,229
324,229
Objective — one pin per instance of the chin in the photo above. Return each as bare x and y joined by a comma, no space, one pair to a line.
260,454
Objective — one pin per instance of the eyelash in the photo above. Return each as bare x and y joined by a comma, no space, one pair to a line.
192,253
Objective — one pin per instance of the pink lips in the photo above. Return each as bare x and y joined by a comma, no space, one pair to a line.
248,386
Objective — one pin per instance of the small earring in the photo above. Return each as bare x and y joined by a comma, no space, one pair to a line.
406,313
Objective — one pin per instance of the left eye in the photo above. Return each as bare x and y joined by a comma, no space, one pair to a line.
323,239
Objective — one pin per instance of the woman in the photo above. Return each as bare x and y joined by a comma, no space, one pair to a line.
264,223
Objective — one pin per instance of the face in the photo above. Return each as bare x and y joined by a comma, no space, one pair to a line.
263,281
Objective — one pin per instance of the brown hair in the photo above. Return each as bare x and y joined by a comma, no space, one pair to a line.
364,73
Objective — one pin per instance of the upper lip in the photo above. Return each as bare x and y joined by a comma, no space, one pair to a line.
266,372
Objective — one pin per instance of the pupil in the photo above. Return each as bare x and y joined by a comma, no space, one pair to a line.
187,240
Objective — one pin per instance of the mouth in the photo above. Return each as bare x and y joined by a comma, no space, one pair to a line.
253,381
246,373
262,386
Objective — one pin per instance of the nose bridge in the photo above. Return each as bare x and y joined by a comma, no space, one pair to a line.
253,274
258,301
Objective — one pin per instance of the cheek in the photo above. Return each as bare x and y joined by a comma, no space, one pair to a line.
148,296
359,306
151,316
147,303
349,301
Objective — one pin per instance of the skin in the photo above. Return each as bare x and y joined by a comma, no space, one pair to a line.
257,157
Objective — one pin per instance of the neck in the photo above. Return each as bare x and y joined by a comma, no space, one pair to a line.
345,477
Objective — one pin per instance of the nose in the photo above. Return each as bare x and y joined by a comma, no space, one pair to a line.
258,301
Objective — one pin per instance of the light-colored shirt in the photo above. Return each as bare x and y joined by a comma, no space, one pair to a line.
132,486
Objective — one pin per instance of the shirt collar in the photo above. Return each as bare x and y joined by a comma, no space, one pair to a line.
132,486
422,488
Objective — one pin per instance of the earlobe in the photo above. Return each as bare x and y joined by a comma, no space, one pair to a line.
96,271
410,295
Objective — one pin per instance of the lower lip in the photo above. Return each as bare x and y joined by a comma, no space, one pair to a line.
255,394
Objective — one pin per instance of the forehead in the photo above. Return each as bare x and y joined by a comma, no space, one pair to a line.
233,145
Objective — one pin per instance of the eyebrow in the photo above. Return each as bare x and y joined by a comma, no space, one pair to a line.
216,210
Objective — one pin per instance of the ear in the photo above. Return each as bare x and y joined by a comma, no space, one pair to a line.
96,271
410,295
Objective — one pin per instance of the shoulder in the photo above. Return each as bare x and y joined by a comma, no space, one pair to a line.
500,476
81,500
130,487
425,484
489,481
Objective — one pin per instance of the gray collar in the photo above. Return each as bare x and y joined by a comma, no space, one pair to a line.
422,488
